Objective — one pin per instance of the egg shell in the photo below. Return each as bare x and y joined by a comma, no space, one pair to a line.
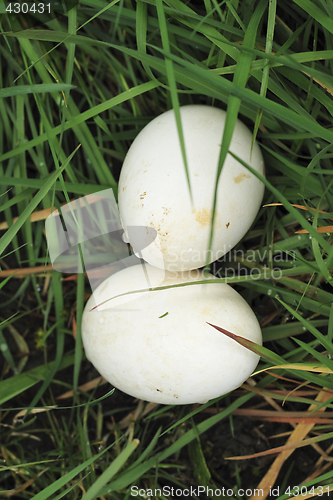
153,188
158,347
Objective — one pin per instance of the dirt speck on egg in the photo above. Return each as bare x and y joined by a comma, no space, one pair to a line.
241,177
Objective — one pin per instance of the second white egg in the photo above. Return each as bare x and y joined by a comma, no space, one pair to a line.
158,345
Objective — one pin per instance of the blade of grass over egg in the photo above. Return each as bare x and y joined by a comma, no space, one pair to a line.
252,346
271,357
173,86
252,278
240,78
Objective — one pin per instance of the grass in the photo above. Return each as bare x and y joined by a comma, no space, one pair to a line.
74,94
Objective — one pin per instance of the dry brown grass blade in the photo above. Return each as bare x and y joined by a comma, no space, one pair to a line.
285,449
290,420
297,366
42,270
34,217
21,413
138,413
296,439
20,341
43,214
296,420
278,416
323,229
22,273
313,390
302,207
84,387
328,89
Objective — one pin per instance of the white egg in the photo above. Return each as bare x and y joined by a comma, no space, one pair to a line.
153,188
158,346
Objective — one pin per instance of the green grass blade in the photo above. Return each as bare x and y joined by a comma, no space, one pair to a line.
113,468
11,387
173,86
66,478
35,89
